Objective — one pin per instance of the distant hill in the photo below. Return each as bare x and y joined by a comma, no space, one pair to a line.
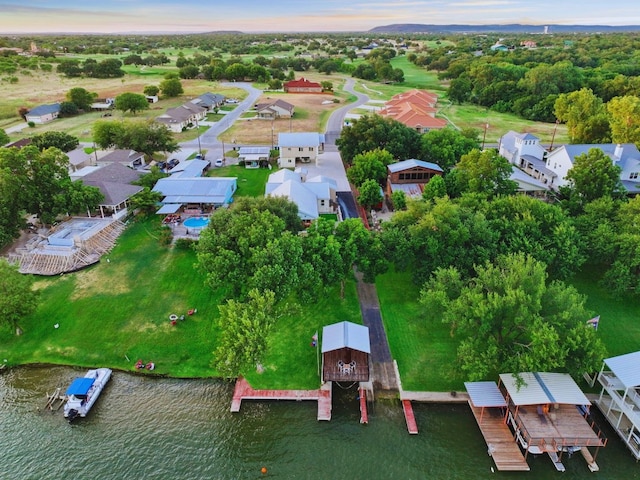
510,28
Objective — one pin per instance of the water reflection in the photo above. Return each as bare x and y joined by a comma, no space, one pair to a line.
149,428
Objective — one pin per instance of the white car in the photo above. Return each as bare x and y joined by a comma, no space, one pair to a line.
219,162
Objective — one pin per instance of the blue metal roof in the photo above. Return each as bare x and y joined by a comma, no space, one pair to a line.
80,386
412,163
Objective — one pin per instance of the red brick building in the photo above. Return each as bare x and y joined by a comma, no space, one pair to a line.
302,86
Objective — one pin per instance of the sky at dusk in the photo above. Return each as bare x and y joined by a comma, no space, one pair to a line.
119,16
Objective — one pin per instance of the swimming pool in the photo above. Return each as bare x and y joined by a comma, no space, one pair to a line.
196,222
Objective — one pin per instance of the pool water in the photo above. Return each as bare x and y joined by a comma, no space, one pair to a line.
196,222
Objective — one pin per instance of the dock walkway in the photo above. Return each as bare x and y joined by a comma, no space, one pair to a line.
243,391
500,442
412,426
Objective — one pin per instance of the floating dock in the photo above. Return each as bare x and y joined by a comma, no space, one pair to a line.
412,426
55,400
243,391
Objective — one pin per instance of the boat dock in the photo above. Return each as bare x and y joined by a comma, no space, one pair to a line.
243,391
500,442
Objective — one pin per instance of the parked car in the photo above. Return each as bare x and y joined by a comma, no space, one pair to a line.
172,163
200,156
219,162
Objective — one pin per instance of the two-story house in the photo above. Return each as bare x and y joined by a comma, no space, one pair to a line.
301,147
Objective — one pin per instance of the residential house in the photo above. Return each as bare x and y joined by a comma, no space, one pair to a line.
619,399
276,109
43,113
180,118
78,159
415,109
410,176
190,168
626,156
302,85
528,184
313,197
525,152
209,100
129,158
299,147
345,352
254,157
195,193
115,182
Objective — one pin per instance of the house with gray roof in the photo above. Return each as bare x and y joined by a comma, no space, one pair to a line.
525,152
201,193
43,113
625,155
129,158
209,100
114,181
180,118
301,147
275,109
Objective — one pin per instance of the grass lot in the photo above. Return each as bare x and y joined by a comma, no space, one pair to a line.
121,309
251,181
426,353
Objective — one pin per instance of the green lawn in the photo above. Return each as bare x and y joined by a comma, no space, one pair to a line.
120,309
251,181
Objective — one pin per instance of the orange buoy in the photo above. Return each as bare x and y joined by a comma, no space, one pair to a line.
263,470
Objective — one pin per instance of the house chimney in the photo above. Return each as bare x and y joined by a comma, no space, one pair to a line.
618,152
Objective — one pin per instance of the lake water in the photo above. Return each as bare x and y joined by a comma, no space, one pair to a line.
156,428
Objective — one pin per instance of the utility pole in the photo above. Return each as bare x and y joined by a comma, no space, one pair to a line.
484,137
198,129
553,137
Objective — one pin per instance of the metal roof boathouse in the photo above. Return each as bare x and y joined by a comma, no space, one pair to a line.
345,352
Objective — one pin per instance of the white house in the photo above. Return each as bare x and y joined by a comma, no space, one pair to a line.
43,113
254,157
313,197
626,156
525,152
299,147
182,117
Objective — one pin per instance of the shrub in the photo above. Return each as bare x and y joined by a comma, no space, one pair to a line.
31,124
186,243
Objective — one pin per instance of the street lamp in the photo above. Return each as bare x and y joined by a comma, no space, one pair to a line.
198,129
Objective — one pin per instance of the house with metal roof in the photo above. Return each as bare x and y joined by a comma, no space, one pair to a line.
410,176
525,152
345,352
619,399
201,193
302,147
254,157
43,113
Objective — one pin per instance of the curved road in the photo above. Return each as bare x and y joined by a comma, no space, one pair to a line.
336,120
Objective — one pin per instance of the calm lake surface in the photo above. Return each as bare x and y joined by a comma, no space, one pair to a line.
147,428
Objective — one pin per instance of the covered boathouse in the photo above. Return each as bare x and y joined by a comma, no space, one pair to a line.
547,414
345,352
619,400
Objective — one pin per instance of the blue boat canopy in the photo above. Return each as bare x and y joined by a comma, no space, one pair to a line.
80,386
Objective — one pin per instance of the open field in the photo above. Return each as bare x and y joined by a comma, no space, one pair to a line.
311,110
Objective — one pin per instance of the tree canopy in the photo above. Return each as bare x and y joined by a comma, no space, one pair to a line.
147,137
593,176
369,166
60,140
81,98
131,102
4,138
171,87
507,318
18,298
485,172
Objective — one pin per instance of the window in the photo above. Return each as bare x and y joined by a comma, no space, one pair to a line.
300,149
322,203
633,176
401,176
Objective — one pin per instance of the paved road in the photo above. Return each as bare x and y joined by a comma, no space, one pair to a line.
336,120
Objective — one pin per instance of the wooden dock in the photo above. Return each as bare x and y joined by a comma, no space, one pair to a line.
243,391
364,415
410,418
500,442
55,400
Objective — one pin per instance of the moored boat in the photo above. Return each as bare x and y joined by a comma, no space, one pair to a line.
84,391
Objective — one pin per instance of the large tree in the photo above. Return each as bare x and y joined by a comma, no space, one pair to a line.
147,137
585,116
131,102
507,318
446,146
625,119
171,87
60,140
369,166
4,138
370,194
244,328
372,132
593,176
18,298
485,172
81,98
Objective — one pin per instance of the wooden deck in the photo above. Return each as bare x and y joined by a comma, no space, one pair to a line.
410,418
500,442
243,391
